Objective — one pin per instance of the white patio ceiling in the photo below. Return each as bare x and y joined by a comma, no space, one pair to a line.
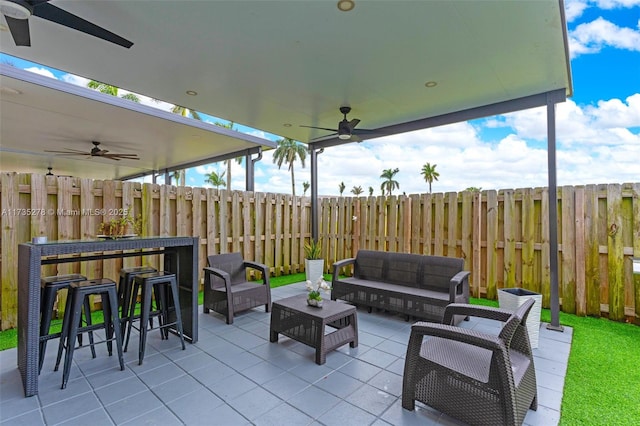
276,65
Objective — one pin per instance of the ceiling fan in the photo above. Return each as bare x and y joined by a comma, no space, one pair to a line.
18,12
96,151
346,129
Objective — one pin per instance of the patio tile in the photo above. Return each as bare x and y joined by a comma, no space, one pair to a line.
314,401
240,361
269,384
161,416
17,407
388,382
262,372
360,370
32,418
176,388
255,403
286,385
277,416
194,361
339,384
371,399
397,367
94,417
543,416
61,411
161,375
311,372
133,406
244,339
214,372
120,390
346,414
549,398
393,348
549,381
378,358
232,386
197,407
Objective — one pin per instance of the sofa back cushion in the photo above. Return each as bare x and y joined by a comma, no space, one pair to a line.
403,269
437,271
369,265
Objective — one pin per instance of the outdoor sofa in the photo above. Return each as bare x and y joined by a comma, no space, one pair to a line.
411,284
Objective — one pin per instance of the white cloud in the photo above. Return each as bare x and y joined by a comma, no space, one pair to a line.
592,36
42,71
575,8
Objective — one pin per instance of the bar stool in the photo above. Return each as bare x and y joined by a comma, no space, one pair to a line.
49,288
160,283
124,292
79,292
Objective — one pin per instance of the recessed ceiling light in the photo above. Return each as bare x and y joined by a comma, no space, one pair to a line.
430,84
192,93
287,124
346,5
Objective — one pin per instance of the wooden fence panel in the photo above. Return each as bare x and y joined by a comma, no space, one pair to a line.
615,251
503,236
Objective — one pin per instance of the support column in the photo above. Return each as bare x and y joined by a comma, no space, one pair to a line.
314,190
554,297
250,175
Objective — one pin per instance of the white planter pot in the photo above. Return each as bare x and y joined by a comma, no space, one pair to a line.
314,269
512,298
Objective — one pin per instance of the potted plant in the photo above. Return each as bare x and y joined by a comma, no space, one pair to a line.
314,298
120,227
313,262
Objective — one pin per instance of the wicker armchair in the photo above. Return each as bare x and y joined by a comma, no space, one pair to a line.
478,378
227,275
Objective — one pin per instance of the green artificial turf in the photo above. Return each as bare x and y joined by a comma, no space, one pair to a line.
602,385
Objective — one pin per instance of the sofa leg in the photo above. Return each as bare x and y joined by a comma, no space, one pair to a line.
370,309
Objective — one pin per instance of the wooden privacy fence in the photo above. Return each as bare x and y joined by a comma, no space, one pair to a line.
502,235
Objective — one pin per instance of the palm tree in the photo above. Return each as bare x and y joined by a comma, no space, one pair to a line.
180,177
305,188
341,188
474,189
288,151
388,185
215,179
357,190
229,126
429,173
370,191
107,89
186,112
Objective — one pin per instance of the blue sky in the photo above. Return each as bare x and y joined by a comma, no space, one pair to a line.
598,129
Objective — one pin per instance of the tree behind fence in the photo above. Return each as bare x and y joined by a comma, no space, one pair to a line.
502,235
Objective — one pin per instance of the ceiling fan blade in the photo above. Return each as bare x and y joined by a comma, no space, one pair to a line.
55,14
19,31
68,151
320,128
353,123
121,156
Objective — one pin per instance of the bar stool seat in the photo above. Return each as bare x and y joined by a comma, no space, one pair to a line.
49,288
79,292
125,296
160,283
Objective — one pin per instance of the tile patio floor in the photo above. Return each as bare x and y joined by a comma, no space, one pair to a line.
234,376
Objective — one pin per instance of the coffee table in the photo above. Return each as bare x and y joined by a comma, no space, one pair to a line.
293,318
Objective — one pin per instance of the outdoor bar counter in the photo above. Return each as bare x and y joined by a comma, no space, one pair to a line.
180,257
